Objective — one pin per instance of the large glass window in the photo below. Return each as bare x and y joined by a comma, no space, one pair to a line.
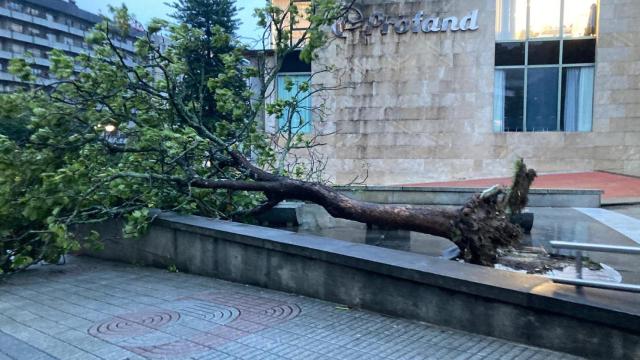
509,95
543,52
544,19
510,53
542,99
297,118
580,18
577,98
545,55
511,19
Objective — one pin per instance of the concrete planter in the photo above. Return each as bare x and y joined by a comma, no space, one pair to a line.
458,196
524,220
524,308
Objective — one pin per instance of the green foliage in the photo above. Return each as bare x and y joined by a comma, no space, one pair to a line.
61,64
117,140
121,19
211,54
21,69
15,117
205,14
31,197
156,25
519,191
320,15
136,223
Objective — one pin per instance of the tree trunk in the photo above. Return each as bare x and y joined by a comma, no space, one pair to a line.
479,228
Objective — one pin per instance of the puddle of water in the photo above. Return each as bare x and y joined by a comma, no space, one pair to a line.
563,224
392,239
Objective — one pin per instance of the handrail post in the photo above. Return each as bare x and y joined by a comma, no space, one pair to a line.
579,264
579,283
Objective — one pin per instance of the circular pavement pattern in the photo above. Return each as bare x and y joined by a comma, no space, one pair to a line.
193,325
134,324
283,312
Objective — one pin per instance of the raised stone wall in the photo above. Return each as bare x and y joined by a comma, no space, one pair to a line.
525,308
460,196
418,107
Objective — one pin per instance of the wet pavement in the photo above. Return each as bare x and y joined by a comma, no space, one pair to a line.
92,309
572,225
561,224
629,210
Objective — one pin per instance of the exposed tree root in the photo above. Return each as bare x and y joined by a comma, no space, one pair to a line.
482,226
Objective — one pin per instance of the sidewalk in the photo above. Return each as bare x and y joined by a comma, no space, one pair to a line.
617,188
91,309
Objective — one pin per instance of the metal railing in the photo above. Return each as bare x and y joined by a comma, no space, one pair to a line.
580,247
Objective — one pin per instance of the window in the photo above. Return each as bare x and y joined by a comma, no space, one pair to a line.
15,27
290,87
17,48
577,95
511,19
65,40
34,12
544,61
544,19
41,73
507,108
33,31
14,6
37,52
580,18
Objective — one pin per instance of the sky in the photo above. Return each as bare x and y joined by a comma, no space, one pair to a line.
145,10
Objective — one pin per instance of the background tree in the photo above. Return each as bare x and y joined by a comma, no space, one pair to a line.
166,153
14,118
14,115
209,18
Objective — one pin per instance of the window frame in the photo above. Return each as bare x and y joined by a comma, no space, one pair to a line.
560,65
299,129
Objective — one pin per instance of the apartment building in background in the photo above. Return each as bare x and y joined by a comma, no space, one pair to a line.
39,26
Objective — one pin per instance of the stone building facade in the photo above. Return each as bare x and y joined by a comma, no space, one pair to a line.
419,106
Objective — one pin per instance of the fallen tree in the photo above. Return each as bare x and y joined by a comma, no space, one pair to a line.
122,137
478,228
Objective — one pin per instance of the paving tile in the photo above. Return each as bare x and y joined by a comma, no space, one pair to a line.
91,309
13,348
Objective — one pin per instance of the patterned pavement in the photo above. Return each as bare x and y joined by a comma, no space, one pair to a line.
91,309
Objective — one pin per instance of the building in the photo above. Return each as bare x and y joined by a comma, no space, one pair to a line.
37,27
298,28
455,89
